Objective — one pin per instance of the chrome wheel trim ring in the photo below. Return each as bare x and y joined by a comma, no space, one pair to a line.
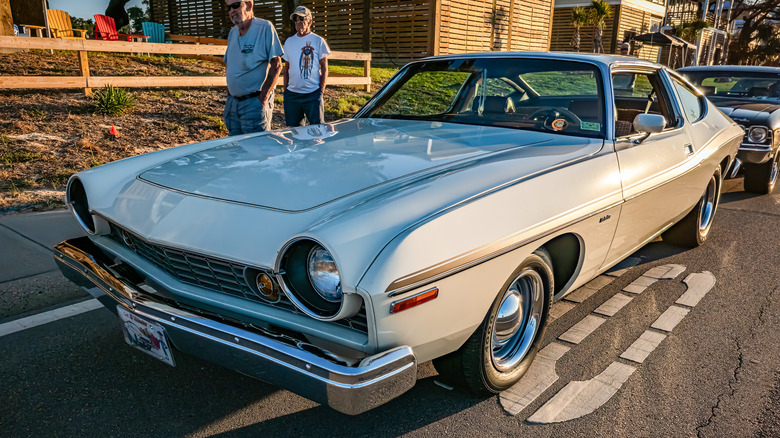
708,209
518,320
773,172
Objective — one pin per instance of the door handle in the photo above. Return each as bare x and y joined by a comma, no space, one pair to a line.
688,149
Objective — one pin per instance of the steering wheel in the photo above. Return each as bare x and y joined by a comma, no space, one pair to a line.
555,118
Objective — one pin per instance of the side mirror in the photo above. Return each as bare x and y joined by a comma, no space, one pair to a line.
649,123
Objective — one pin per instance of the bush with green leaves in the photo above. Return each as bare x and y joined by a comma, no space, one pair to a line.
113,101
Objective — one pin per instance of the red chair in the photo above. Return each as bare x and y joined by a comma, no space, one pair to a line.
105,29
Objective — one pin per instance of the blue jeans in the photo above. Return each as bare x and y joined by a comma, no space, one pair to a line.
296,105
248,115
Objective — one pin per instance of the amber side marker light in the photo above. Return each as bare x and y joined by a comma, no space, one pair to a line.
414,300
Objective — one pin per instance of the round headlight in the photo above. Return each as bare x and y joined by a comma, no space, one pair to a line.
758,134
324,275
310,279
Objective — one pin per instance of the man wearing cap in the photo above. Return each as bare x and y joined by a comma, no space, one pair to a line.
305,71
253,64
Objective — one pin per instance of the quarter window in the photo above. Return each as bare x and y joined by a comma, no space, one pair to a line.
692,104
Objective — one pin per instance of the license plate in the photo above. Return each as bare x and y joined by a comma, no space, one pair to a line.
145,336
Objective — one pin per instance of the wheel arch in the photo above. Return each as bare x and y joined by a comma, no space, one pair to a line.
566,256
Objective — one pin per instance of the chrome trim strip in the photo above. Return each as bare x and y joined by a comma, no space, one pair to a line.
348,389
754,147
735,168
392,304
464,261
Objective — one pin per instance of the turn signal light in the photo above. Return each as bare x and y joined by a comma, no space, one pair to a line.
414,300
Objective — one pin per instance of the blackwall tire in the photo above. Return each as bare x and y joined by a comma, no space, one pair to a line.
695,227
502,349
761,178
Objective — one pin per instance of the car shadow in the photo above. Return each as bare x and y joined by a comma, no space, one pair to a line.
727,198
421,406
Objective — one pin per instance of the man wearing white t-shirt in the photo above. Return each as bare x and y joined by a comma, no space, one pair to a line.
305,71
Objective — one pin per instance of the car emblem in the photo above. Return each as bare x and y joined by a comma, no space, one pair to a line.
559,124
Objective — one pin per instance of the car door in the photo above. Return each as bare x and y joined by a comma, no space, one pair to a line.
655,170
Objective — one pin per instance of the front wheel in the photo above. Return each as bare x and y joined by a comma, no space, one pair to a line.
499,353
695,227
761,178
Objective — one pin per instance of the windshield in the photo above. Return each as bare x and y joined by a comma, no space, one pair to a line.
532,94
742,85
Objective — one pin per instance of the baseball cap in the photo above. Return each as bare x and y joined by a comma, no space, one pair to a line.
303,11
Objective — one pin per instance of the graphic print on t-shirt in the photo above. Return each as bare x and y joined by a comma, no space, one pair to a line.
307,60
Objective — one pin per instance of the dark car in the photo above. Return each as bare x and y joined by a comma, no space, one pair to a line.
750,95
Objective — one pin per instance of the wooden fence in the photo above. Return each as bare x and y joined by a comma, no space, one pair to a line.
201,47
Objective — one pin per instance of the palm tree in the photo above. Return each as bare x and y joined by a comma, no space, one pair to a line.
579,17
600,10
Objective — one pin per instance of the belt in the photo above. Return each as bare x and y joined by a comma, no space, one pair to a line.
247,96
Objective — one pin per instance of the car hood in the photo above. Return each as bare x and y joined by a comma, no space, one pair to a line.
742,111
302,168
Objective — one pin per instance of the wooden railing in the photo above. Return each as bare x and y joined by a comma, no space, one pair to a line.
201,46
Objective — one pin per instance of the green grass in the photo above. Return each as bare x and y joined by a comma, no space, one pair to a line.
21,156
562,83
347,106
113,101
426,93
379,75
216,122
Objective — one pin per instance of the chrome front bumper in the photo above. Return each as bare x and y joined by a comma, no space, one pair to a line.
255,352
754,154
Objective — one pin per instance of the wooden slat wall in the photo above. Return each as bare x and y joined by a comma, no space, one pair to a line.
339,22
192,17
638,21
208,18
563,31
531,25
399,30
478,26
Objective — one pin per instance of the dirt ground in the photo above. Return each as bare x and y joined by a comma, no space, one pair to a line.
48,135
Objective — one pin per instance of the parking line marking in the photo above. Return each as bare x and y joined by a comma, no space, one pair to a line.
579,398
582,329
583,397
642,347
665,272
580,295
698,286
612,305
669,319
47,317
560,308
622,267
540,376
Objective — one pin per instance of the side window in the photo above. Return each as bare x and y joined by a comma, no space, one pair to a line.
692,104
638,93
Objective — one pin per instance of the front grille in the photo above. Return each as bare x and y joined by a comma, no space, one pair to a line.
213,274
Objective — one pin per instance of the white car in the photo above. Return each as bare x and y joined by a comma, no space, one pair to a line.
439,224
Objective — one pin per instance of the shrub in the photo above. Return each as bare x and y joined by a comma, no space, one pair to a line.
113,101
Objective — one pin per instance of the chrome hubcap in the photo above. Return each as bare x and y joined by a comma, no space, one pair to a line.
710,200
518,320
773,174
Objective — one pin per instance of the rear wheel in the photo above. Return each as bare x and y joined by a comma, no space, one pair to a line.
499,353
695,227
761,178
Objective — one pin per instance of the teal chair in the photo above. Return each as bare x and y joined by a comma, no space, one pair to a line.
17,33
155,32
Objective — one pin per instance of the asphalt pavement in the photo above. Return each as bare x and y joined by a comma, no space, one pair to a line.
29,278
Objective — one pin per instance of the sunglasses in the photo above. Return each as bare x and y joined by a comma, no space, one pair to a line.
298,18
236,5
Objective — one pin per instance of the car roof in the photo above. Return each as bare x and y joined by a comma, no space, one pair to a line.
732,68
594,58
